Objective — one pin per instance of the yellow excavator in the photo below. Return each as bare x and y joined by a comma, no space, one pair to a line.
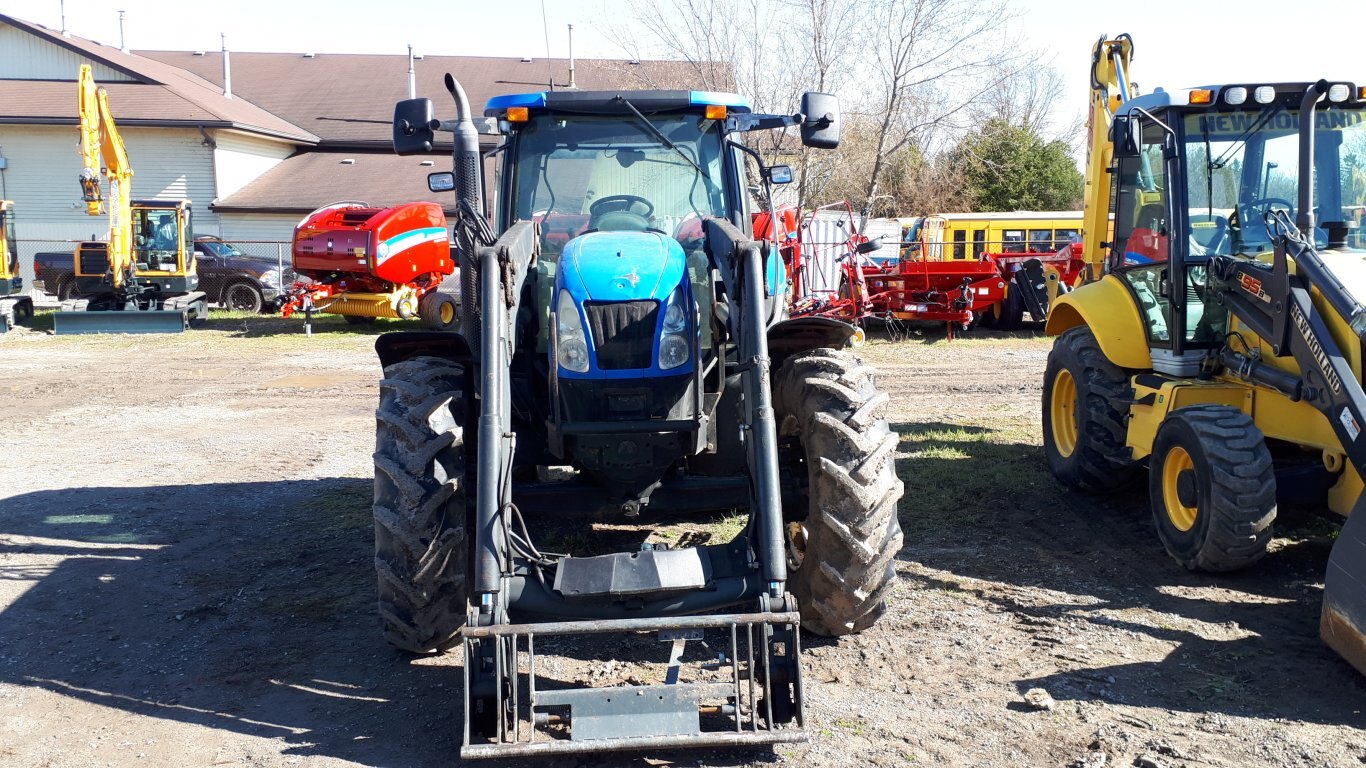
142,278
14,302
1219,357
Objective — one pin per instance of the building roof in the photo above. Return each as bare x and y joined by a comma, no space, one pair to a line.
160,95
310,180
348,99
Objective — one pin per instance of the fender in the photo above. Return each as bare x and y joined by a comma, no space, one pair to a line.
397,346
1108,309
793,337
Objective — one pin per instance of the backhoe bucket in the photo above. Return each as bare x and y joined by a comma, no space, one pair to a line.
129,321
1344,592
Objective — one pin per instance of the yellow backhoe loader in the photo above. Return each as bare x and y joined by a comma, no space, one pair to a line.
142,278
1221,350
14,302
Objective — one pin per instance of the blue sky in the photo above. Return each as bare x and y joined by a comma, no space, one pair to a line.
1178,43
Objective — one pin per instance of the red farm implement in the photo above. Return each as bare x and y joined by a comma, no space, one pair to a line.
364,263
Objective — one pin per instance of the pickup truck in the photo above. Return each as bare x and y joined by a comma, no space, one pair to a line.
231,278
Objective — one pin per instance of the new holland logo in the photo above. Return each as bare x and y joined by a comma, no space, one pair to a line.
1325,365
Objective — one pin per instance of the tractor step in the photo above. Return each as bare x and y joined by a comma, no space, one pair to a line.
1343,626
746,692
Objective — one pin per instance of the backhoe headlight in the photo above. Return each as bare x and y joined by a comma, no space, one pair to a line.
570,344
674,346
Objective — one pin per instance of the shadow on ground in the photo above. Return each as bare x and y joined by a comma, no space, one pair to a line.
982,506
246,608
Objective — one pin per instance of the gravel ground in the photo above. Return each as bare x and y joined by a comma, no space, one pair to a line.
185,579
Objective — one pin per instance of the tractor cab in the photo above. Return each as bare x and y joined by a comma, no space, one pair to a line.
1214,172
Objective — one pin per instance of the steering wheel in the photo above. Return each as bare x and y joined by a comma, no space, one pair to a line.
621,212
1262,205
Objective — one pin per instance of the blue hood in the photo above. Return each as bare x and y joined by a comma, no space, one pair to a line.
621,266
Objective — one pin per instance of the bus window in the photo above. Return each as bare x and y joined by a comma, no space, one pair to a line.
1041,241
960,238
1013,241
1063,237
979,242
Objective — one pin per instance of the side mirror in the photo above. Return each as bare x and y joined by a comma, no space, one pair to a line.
820,120
441,181
413,119
778,174
1124,136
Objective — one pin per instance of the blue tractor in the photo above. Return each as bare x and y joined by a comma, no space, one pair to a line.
618,319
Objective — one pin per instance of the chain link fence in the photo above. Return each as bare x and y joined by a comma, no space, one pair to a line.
236,273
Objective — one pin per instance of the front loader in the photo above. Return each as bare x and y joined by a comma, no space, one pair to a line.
620,321
1222,349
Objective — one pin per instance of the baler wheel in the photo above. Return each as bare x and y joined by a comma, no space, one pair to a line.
1085,401
844,536
439,311
421,546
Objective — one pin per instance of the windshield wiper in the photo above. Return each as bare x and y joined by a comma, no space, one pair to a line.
659,135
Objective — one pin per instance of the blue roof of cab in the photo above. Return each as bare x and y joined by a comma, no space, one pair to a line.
731,101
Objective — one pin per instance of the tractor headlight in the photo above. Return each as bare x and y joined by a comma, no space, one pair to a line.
571,346
674,347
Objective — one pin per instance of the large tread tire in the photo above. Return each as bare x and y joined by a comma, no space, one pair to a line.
1096,458
1231,484
421,545
1010,311
826,400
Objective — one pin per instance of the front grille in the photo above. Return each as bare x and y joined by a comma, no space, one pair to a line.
623,332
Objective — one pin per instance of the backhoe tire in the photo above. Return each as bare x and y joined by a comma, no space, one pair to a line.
1084,408
1010,311
422,551
1212,488
843,536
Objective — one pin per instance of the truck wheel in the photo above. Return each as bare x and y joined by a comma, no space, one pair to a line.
842,538
243,297
439,311
421,547
1211,487
1083,416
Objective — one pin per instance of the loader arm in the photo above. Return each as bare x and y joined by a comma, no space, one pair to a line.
103,151
1110,88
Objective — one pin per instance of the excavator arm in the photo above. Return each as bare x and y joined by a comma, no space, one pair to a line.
103,152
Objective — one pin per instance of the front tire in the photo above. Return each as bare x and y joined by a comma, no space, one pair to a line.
1084,408
1212,489
842,538
421,544
243,297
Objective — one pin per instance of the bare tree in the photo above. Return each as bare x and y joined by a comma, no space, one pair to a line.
930,59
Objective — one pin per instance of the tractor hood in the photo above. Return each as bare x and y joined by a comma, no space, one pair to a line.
621,266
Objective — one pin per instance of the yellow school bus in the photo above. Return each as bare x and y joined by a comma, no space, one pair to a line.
963,236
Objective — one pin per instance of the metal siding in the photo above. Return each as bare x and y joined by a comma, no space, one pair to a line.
25,57
240,159
42,172
271,227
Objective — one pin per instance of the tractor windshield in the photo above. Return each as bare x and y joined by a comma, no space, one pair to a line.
1240,164
580,173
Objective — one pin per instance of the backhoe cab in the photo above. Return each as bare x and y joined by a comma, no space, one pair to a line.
1222,348
622,322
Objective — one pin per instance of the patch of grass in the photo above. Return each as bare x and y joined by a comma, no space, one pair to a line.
960,475
849,724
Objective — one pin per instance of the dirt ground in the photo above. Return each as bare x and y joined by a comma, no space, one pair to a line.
185,580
